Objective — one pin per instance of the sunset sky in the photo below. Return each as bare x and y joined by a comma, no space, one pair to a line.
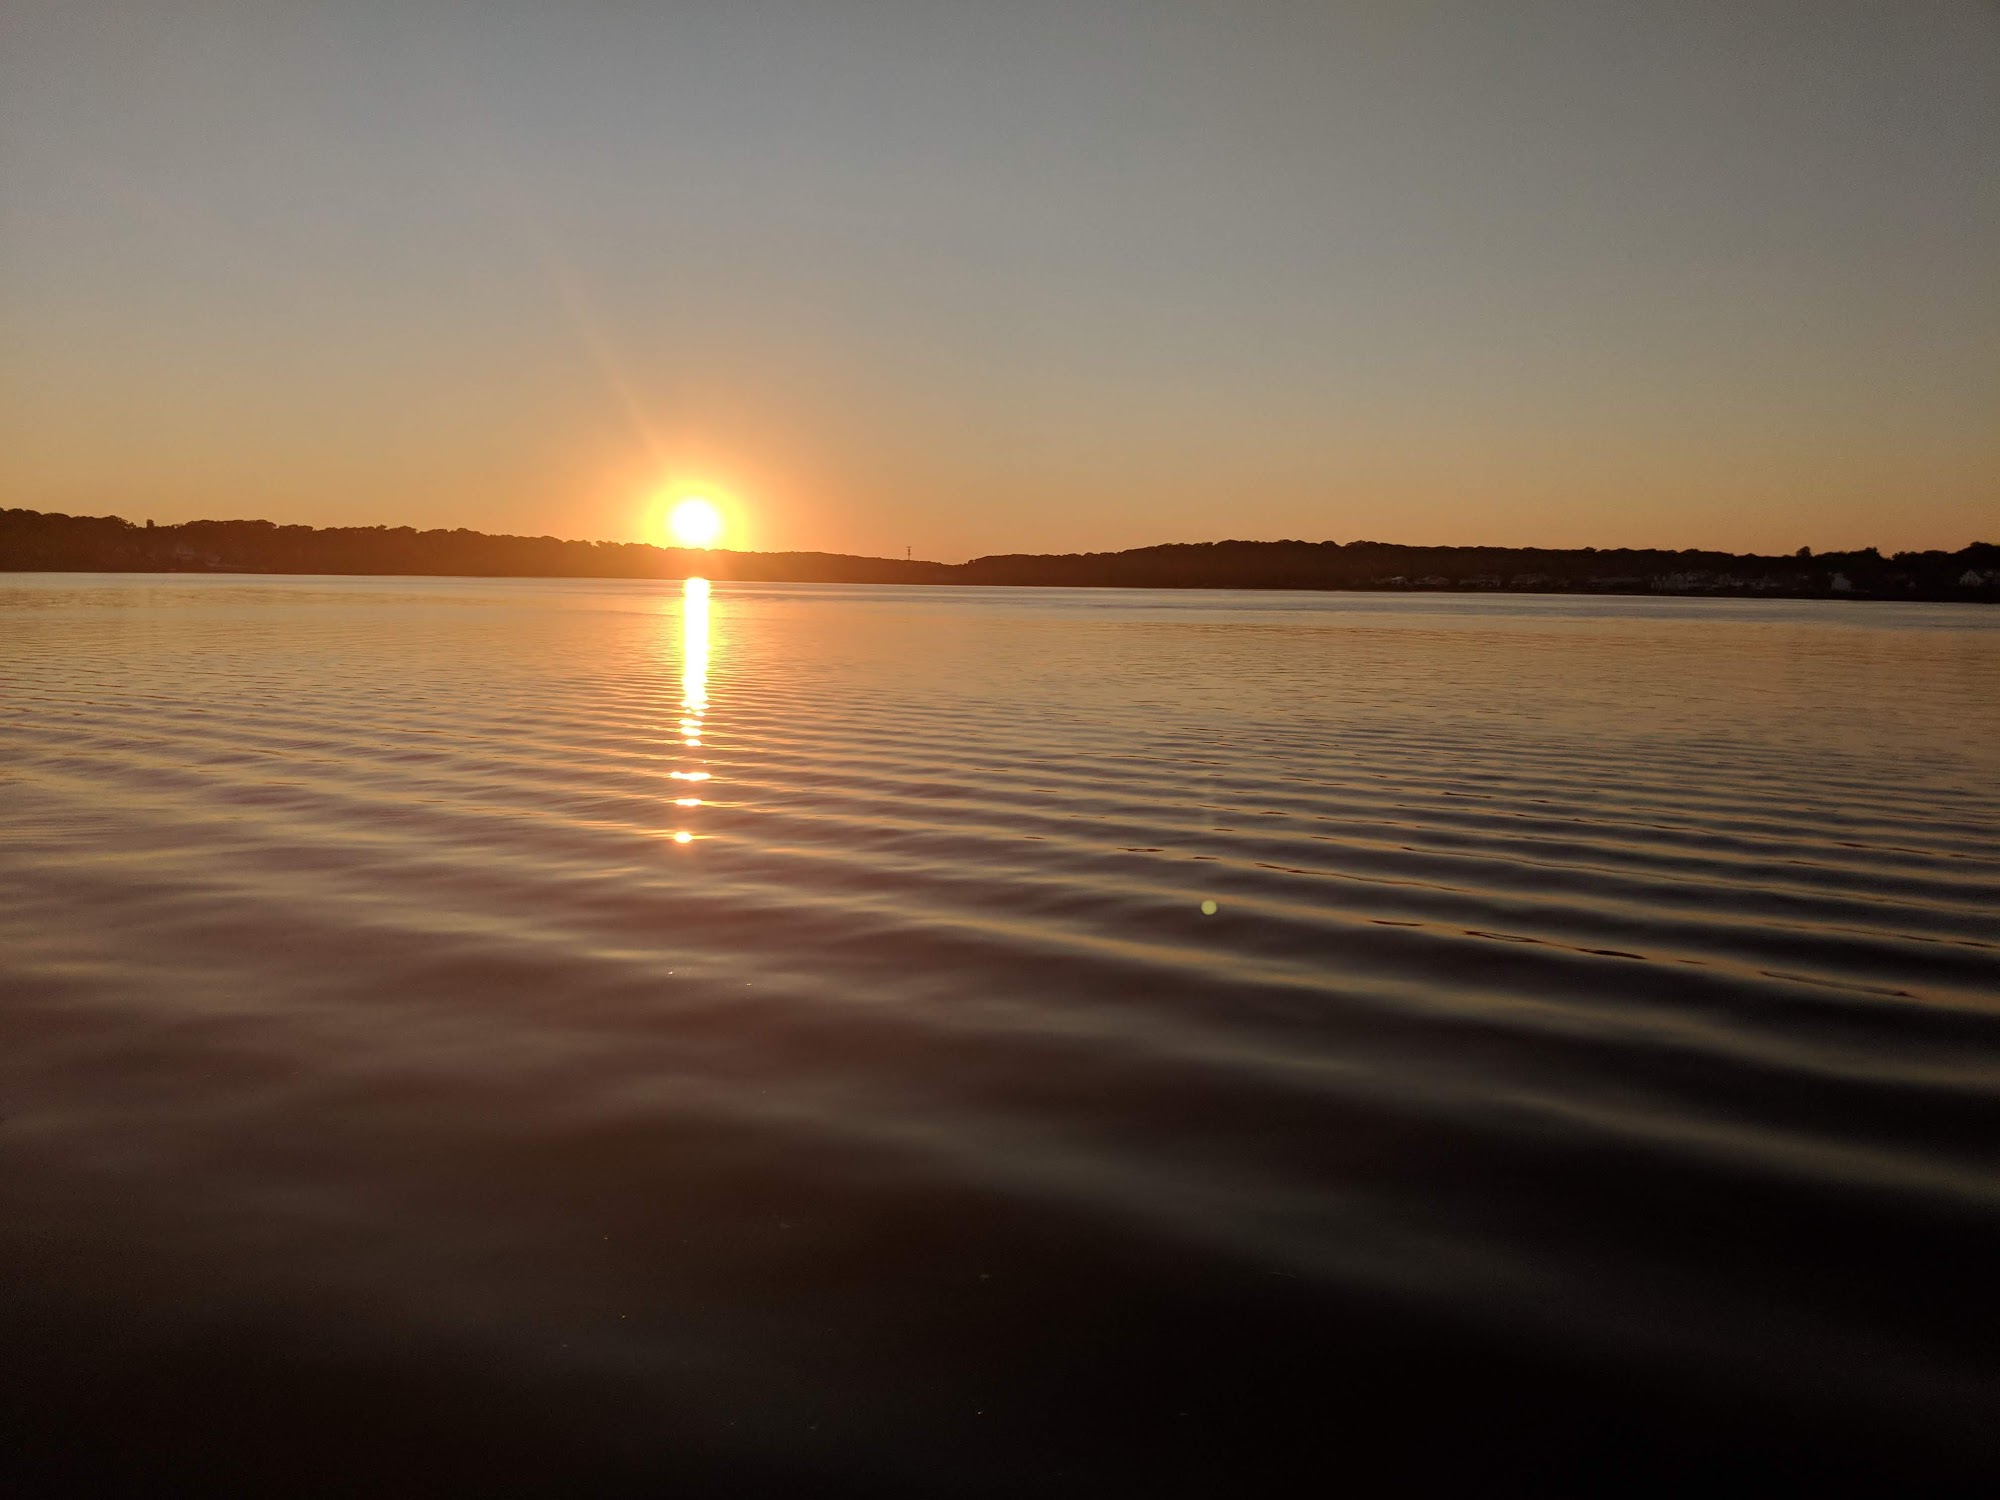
1018,276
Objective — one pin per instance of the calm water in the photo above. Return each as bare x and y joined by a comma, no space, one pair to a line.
1588,1069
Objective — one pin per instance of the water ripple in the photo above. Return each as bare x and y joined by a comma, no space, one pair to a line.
728,1017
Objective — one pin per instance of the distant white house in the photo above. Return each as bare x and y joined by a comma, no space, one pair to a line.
1842,584
1971,578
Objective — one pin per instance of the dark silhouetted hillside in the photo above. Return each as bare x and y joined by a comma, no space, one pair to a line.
32,540
36,541
1970,572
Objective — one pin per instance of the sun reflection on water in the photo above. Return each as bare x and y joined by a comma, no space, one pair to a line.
694,685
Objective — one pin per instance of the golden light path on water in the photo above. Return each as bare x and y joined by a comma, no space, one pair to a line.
694,686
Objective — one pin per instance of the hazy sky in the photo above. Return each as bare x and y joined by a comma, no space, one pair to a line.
977,277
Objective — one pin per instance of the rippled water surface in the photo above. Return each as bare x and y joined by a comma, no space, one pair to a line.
601,1035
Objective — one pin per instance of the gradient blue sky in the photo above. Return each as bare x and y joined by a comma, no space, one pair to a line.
1021,276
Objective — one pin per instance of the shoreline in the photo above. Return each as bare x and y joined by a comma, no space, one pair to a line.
42,542
1984,595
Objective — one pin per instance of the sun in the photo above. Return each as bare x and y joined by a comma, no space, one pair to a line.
695,522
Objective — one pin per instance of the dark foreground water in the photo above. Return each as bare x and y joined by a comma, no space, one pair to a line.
1587,1073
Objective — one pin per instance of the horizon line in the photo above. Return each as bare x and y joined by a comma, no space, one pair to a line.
1802,552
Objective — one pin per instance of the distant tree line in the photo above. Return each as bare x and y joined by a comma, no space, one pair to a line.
38,541
1970,572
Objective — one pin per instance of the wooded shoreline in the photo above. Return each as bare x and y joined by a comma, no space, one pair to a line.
36,541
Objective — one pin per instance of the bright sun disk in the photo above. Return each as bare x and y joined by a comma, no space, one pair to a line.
695,522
